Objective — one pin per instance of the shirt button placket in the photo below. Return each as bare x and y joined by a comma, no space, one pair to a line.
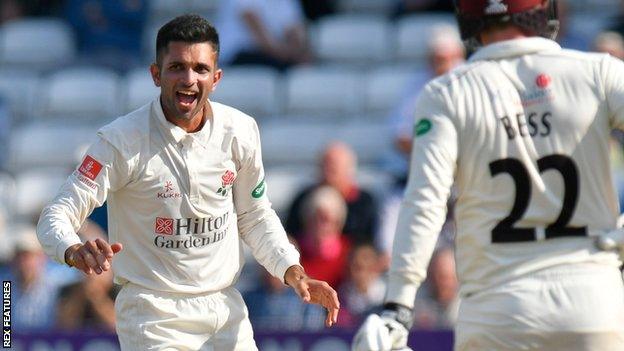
190,166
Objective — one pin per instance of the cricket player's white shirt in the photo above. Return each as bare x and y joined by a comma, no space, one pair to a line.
523,131
178,202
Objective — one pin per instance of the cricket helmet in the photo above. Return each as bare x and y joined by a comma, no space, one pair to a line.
538,16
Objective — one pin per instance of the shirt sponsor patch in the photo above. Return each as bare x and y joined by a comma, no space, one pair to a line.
86,181
259,190
163,226
90,168
422,127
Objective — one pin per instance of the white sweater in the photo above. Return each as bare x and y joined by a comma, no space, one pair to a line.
173,202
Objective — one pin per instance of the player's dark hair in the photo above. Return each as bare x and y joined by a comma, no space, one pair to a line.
189,28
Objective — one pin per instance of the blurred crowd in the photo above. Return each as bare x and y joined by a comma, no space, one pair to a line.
343,229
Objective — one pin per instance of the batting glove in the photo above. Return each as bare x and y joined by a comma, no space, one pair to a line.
387,331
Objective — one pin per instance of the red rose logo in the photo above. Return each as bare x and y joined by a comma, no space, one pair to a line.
543,80
228,178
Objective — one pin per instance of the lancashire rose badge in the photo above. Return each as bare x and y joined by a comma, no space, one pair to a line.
227,180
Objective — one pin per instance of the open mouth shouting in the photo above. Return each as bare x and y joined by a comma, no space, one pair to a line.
186,98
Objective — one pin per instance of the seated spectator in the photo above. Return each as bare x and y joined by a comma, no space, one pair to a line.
34,296
437,302
14,9
262,32
408,7
568,36
364,289
445,51
611,43
324,249
109,31
338,169
275,307
90,302
315,9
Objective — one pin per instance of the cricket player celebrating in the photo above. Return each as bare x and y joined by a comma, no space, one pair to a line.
523,130
184,180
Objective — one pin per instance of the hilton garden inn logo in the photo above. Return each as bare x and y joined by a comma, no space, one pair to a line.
496,7
191,232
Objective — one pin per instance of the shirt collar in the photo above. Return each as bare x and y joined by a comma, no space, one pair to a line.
515,47
177,133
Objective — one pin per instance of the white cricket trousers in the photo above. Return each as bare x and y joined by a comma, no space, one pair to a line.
572,308
156,320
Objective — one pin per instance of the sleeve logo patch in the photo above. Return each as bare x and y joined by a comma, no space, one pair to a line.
422,127
259,190
90,168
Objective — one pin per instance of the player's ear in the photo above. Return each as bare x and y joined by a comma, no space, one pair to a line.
215,80
155,71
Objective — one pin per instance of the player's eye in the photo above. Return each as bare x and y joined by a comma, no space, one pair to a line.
202,69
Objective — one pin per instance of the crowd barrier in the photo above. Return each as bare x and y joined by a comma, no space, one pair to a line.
327,340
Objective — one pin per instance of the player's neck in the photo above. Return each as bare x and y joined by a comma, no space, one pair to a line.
501,34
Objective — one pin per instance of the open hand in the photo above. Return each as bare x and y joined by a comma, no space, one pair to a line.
92,256
314,291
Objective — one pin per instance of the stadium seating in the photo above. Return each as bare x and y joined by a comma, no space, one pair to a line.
293,143
83,93
376,7
7,194
138,89
322,91
412,34
254,90
49,145
20,89
385,86
300,142
371,140
38,187
353,39
36,44
284,182
168,8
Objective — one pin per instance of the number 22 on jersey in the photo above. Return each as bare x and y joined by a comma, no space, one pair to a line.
505,231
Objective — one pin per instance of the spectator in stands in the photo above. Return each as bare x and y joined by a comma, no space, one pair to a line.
13,9
568,36
618,21
445,51
109,31
90,302
263,32
338,169
33,296
611,43
364,288
407,7
324,249
275,307
10,10
315,9
437,304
